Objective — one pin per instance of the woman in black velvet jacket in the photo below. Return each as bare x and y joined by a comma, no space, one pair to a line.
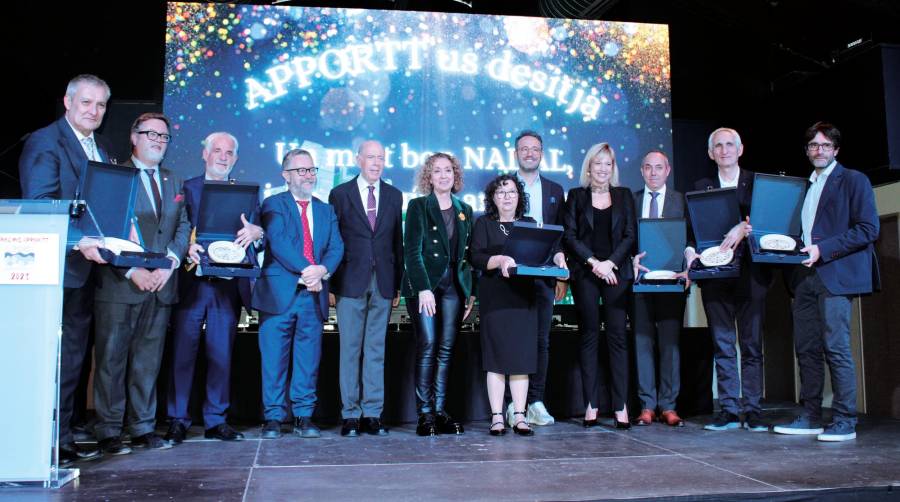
600,231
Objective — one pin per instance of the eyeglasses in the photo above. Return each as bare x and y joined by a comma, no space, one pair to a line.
534,149
303,171
826,147
506,194
157,136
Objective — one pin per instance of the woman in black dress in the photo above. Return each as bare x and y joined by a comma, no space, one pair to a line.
507,305
599,234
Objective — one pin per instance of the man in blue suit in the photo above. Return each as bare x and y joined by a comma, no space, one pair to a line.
840,225
302,250
214,300
367,286
50,167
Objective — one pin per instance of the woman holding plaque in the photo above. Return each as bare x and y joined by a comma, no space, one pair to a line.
507,303
599,234
437,284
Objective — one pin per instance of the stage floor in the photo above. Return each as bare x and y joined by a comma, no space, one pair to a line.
561,462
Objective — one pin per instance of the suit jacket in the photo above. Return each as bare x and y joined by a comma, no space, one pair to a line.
674,206
553,203
170,232
188,280
380,250
579,227
427,247
845,228
50,167
284,261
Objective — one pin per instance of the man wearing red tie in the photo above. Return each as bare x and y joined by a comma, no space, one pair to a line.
303,248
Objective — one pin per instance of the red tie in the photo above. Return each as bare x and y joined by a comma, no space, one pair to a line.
307,235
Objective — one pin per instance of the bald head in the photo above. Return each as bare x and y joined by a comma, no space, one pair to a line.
655,169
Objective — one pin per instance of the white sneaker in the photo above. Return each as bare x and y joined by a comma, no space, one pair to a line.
511,415
538,415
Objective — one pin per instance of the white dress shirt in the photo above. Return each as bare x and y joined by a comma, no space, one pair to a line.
811,201
729,184
363,187
645,207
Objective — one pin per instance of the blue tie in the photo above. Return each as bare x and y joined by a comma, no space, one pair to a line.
654,206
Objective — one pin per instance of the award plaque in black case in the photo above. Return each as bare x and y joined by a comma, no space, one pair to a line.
219,219
532,245
110,191
776,209
664,240
713,213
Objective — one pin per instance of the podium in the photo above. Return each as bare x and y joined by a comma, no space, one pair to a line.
34,238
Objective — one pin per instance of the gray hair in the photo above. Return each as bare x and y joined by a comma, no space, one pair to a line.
86,78
285,162
664,156
207,143
737,137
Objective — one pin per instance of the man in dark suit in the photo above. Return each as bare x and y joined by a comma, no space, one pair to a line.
740,301
545,205
132,306
366,286
840,225
50,167
215,301
658,317
303,248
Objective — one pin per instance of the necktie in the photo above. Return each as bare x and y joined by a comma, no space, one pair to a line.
370,207
654,206
90,148
307,235
157,199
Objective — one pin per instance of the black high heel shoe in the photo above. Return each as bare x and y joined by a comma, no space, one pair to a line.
497,432
590,423
522,431
622,425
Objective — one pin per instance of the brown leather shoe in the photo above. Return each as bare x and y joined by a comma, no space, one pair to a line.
669,417
646,417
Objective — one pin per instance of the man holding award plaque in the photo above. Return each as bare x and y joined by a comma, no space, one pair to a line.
214,301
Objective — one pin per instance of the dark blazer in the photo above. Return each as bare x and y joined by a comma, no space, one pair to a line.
427,247
170,232
674,206
381,250
187,282
284,261
744,189
579,225
50,167
553,205
845,228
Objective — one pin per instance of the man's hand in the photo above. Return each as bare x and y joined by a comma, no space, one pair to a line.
687,280
248,234
689,256
194,252
143,279
314,288
469,305
426,303
313,274
396,301
636,263
561,288
89,248
161,275
332,301
814,255
736,235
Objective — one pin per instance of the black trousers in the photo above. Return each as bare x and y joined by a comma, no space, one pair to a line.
78,310
587,290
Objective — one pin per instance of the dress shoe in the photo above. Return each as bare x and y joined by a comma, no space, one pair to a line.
113,446
271,429
646,417
305,428
150,441
350,428
623,425
176,433
669,417
524,430
223,432
497,431
447,425
426,425
374,426
71,452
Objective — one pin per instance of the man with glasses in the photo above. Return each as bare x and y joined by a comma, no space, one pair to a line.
50,167
303,248
132,307
545,203
840,224
213,301
366,286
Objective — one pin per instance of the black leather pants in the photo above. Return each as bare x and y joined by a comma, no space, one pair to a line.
435,336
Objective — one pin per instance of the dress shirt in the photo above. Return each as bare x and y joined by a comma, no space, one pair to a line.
811,201
363,187
660,201
729,184
535,198
95,155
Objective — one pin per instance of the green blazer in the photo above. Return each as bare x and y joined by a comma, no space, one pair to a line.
426,246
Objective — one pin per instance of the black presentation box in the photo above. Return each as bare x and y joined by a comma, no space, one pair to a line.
532,245
110,191
713,213
221,206
776,209
664,240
